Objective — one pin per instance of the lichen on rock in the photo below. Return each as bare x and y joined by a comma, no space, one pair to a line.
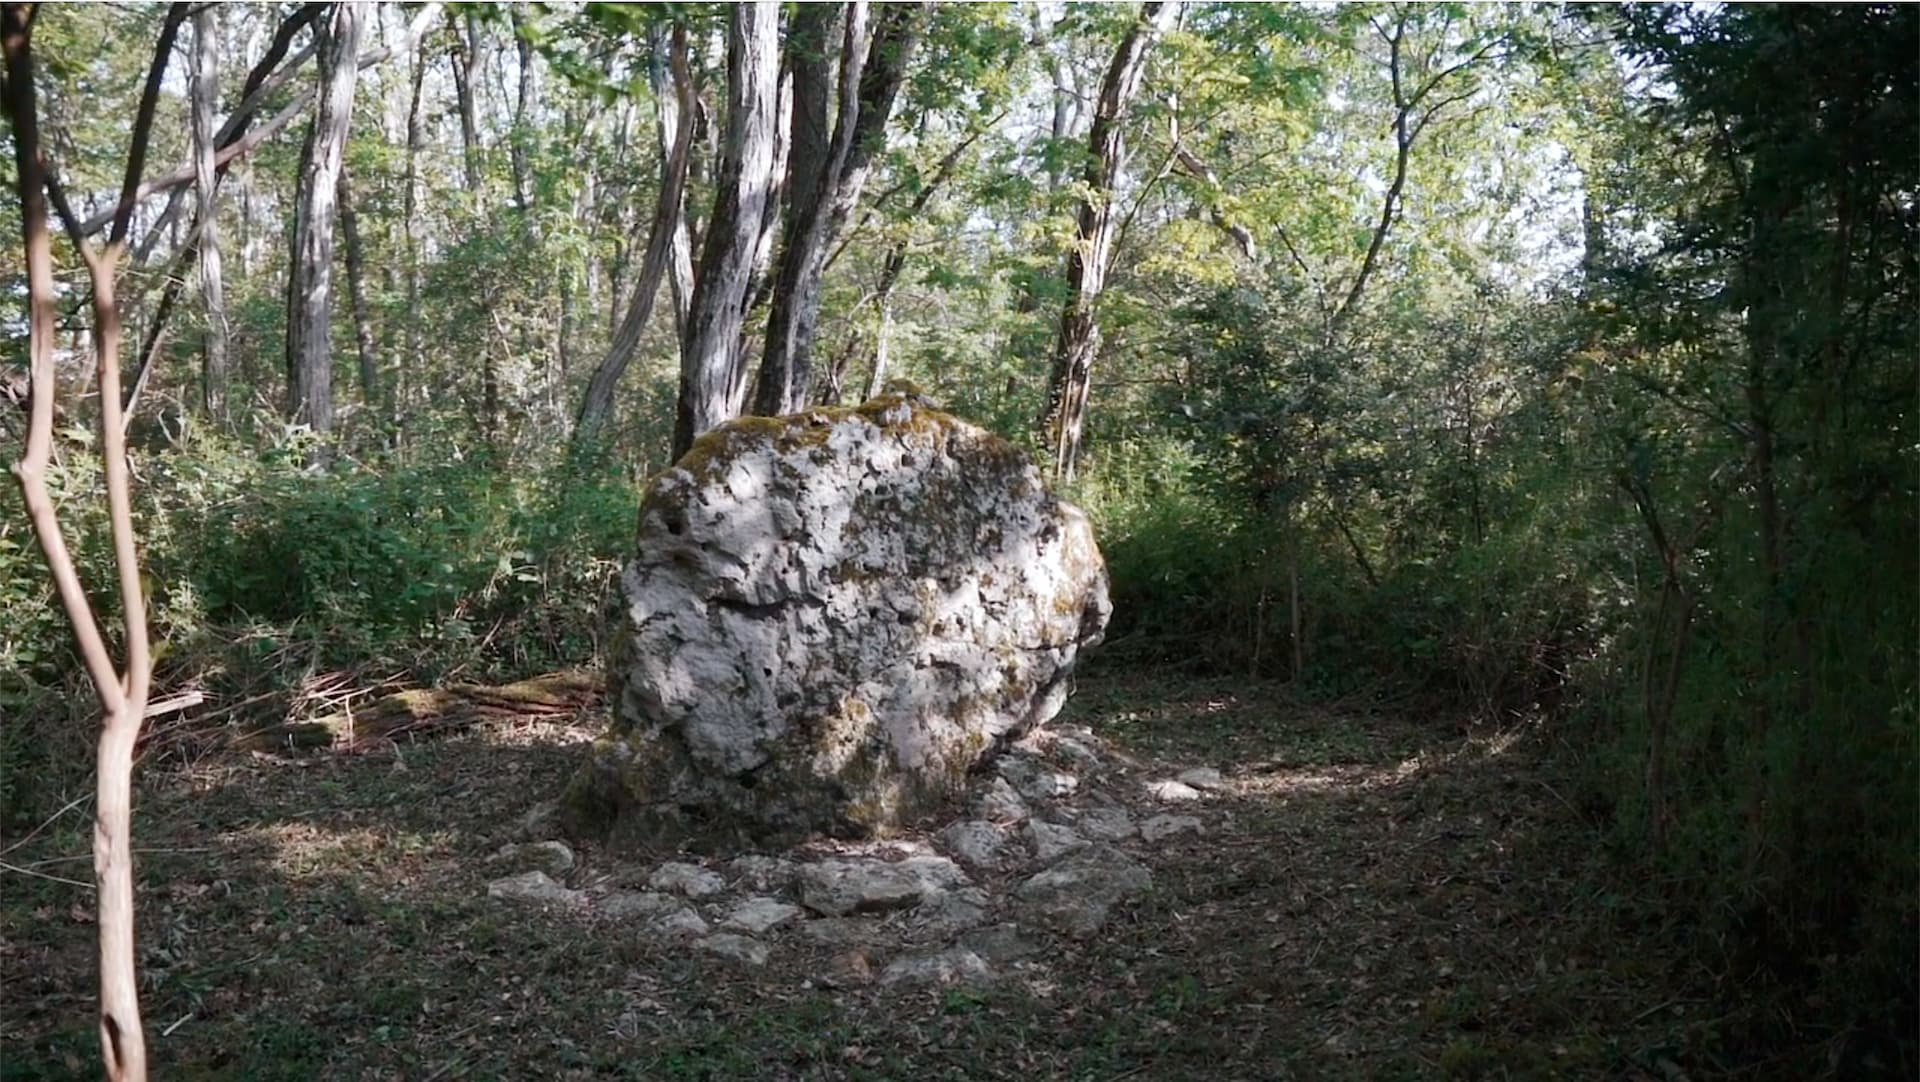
830,620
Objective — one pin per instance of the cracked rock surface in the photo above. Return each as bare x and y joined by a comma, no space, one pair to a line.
830,619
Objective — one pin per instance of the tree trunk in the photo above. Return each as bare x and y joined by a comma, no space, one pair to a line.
310,279
711,379
409,224
357,292
523,122
205,92
673,96
1079,342
122,693
466,89
827,178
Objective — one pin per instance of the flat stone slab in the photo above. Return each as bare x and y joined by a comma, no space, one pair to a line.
950,966
735,948
1051,841
759,915
690,880
762,874
1000,804
836,888
682,923
553,858
1161,827
533,888
637,905
1203,777
1105,823
1075,896
1172,792
1035,781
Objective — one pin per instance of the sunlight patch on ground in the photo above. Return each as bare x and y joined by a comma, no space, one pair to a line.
302,850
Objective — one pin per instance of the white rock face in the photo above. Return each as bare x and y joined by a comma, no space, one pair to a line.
759,915
689,879
1172,792
533,888
1204,777
831,618
835,888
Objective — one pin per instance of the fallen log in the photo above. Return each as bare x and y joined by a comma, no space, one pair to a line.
420,711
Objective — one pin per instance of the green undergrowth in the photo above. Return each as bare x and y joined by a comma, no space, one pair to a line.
265,574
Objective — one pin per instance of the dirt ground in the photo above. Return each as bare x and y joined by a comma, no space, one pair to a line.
1373,897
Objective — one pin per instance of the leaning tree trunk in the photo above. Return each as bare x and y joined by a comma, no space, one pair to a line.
826,184
673,97
310,279
711,379
1079,342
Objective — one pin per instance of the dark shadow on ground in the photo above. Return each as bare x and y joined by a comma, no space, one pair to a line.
1372,898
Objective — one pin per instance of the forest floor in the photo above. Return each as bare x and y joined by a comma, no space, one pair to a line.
1372,898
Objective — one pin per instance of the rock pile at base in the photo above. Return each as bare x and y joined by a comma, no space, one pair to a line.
998,893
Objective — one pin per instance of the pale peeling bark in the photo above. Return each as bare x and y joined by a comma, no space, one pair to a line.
122,693
310,280
1078,344
205,91
710,378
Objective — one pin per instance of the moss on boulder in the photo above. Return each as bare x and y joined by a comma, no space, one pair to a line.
830,619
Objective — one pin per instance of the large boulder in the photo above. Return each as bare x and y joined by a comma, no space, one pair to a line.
831,619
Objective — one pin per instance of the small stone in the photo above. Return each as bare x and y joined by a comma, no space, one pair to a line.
736,948
637,905
1076,894
1000,804
760,915
1077,751
1034,781
976,843
936,967
690,880
999,943
1051,840
1161,827
553,858
1106,823
1203,777
762,874
1173,792
533,888
682,923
